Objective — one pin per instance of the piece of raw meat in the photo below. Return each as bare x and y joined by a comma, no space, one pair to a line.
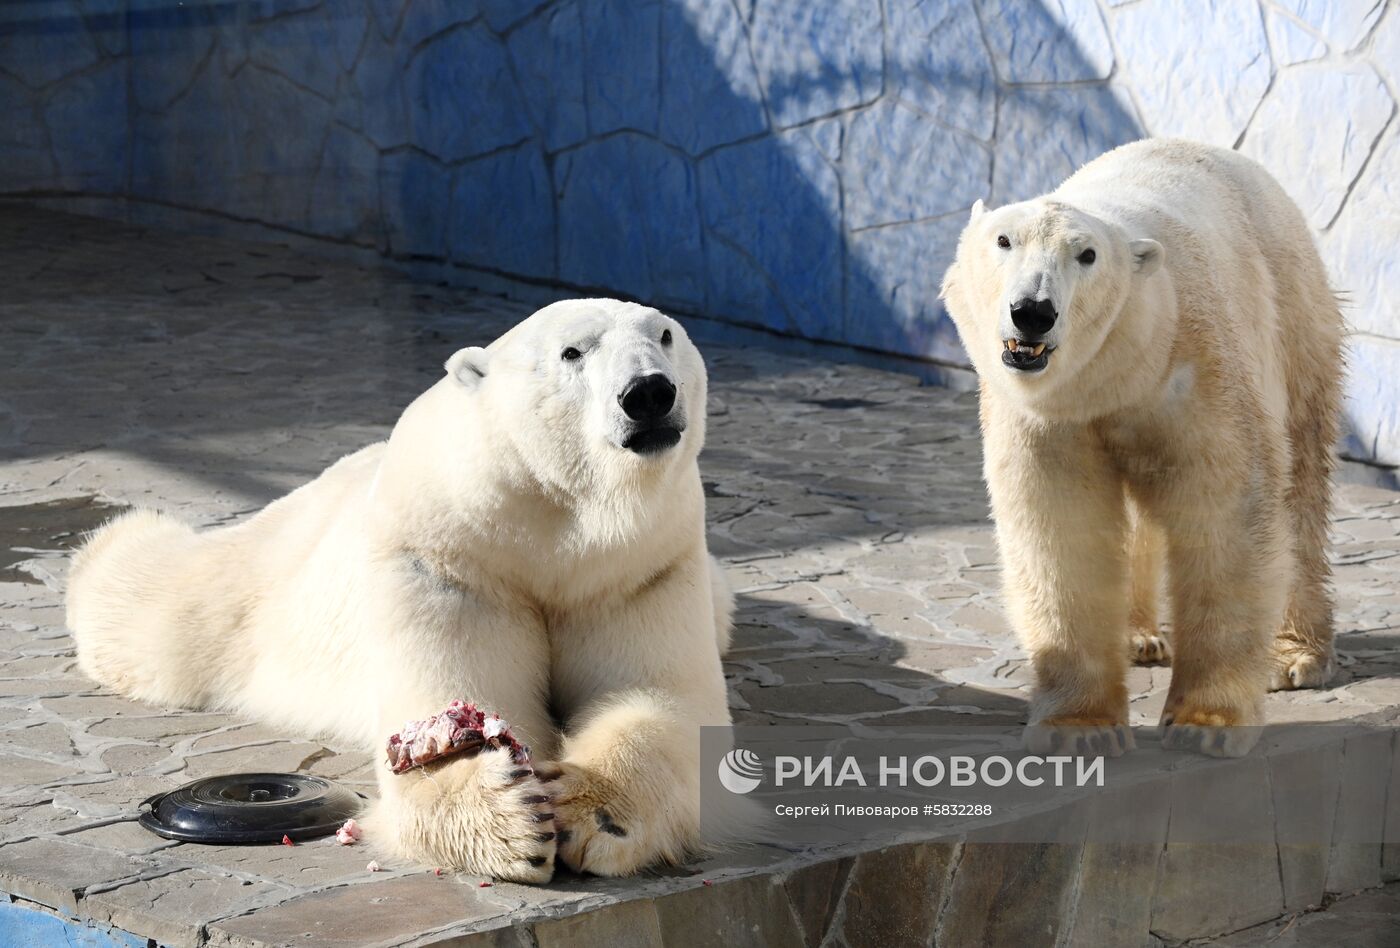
462,728
349,833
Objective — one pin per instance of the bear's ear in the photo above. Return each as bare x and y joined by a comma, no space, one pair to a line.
978,209
468,366
1148,255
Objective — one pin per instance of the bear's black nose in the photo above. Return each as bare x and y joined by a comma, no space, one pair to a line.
1033,317
648,398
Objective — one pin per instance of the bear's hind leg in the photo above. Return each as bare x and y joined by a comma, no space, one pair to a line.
1303,654
1303,651
1310,343
130,610
1147,643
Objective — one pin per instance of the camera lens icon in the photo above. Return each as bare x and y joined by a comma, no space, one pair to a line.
740,770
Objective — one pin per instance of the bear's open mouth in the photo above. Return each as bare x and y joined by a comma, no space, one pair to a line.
1025,357
653,440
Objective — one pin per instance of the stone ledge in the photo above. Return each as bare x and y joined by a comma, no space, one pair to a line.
989,885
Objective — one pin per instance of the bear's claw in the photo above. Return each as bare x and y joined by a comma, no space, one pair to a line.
1150,648
471,814
592,837
533,849
1299,666
1226,741
1214,733
1078,739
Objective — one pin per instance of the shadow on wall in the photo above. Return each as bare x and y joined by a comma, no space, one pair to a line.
799,168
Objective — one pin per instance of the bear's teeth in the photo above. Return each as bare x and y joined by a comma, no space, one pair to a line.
1040,347
1011,344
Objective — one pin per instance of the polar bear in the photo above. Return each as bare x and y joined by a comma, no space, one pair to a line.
1158,353
530,538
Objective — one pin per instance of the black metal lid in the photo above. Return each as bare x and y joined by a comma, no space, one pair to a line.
250,808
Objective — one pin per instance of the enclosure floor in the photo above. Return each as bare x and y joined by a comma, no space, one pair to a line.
206,377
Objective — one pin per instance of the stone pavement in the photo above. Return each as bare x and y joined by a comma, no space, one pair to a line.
208,376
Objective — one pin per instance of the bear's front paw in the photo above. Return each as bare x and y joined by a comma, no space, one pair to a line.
486,815
1213,732
1301,666
1149,648
1078,737
598,830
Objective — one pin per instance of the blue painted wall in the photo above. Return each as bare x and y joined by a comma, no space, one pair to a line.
795,165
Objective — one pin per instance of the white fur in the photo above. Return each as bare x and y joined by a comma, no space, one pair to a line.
1185,422
502,547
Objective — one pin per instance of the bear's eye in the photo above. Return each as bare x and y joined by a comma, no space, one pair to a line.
1003,242
666,338
570,354
1088,257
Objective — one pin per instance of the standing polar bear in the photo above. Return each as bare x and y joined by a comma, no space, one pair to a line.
1159,359
531,538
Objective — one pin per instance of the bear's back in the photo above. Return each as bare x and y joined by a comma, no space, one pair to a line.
1246,275
1170,188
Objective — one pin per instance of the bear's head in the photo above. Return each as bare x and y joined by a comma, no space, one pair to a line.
591,391
1035,290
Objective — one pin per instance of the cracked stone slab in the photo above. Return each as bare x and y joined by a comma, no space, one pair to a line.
56,873
305,866
174,908
355,915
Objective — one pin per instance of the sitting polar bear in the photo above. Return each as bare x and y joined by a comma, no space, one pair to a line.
531,538
1159,358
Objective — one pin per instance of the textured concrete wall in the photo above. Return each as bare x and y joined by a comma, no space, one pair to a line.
799,166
